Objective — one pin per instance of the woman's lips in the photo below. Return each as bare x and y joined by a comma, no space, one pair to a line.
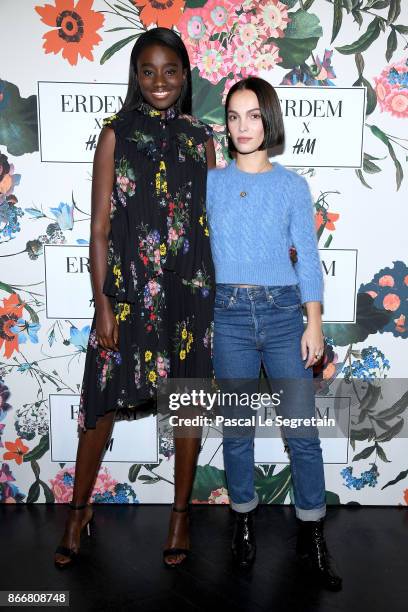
160,94
244,139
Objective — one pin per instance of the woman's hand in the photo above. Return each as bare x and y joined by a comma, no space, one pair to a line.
107,329
312,345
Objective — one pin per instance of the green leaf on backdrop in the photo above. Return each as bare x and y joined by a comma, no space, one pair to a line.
49,495
38,451
33,492
337,18
400,476
273,489
301,37
401,29
332,499
365,453
378,4
370,166
306,4
134,471
207,99
392,45
18,120
394,11
396,409
117,46
291,3
382,455
362,179
371,95
193,4
358,18
392,432
399,173
369,320
364,42
207,479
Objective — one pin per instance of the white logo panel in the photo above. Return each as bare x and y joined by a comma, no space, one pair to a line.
132,441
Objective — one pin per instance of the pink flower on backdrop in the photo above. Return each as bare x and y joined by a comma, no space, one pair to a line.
219,496
220,15
192,27
392,89
213,61
273,16
63,483
104,482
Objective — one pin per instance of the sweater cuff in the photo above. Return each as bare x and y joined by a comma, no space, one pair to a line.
311,291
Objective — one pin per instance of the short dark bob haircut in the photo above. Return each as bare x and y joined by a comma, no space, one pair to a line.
270,108
166,38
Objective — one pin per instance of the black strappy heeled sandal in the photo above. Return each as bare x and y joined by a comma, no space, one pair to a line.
168,552
70,552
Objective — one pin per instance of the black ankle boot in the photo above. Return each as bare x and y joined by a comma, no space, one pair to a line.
243,540
312,550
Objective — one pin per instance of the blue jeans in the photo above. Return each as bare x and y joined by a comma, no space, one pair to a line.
265,324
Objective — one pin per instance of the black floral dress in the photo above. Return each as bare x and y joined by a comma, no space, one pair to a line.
160,276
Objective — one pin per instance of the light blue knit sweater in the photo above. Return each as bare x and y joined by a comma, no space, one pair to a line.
251,236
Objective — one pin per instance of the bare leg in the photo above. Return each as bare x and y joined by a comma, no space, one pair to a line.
186,453
89,454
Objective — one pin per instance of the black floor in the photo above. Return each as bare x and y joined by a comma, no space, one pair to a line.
121,567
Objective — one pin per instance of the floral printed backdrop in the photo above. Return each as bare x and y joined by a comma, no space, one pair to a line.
291,42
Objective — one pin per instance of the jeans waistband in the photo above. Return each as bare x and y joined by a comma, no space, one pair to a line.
257,291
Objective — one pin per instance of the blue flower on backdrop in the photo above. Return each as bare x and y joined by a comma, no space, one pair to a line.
318,74
79,337
369,477
122,494
372,365
64,215
26,330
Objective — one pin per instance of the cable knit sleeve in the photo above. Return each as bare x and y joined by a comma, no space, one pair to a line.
209,195
303,234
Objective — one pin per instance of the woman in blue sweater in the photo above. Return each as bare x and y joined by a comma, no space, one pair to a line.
258,210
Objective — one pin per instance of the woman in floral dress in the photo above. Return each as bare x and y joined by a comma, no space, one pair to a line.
151,270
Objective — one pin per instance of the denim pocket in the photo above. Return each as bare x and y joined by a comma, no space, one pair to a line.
286,297
224,297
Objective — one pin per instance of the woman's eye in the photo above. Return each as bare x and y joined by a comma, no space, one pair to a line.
231,117
171,72
256,116
147,72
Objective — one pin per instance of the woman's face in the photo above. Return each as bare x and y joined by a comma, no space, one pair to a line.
244,121
160,74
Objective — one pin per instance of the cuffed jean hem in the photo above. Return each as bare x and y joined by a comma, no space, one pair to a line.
246,506
310,515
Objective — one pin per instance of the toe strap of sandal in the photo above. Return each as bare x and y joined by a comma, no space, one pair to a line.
67,552
175,551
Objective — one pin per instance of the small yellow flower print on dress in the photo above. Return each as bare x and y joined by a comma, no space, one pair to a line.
148,355
161,180
152,376
163,249
109,120
123,311
184,339
118,275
